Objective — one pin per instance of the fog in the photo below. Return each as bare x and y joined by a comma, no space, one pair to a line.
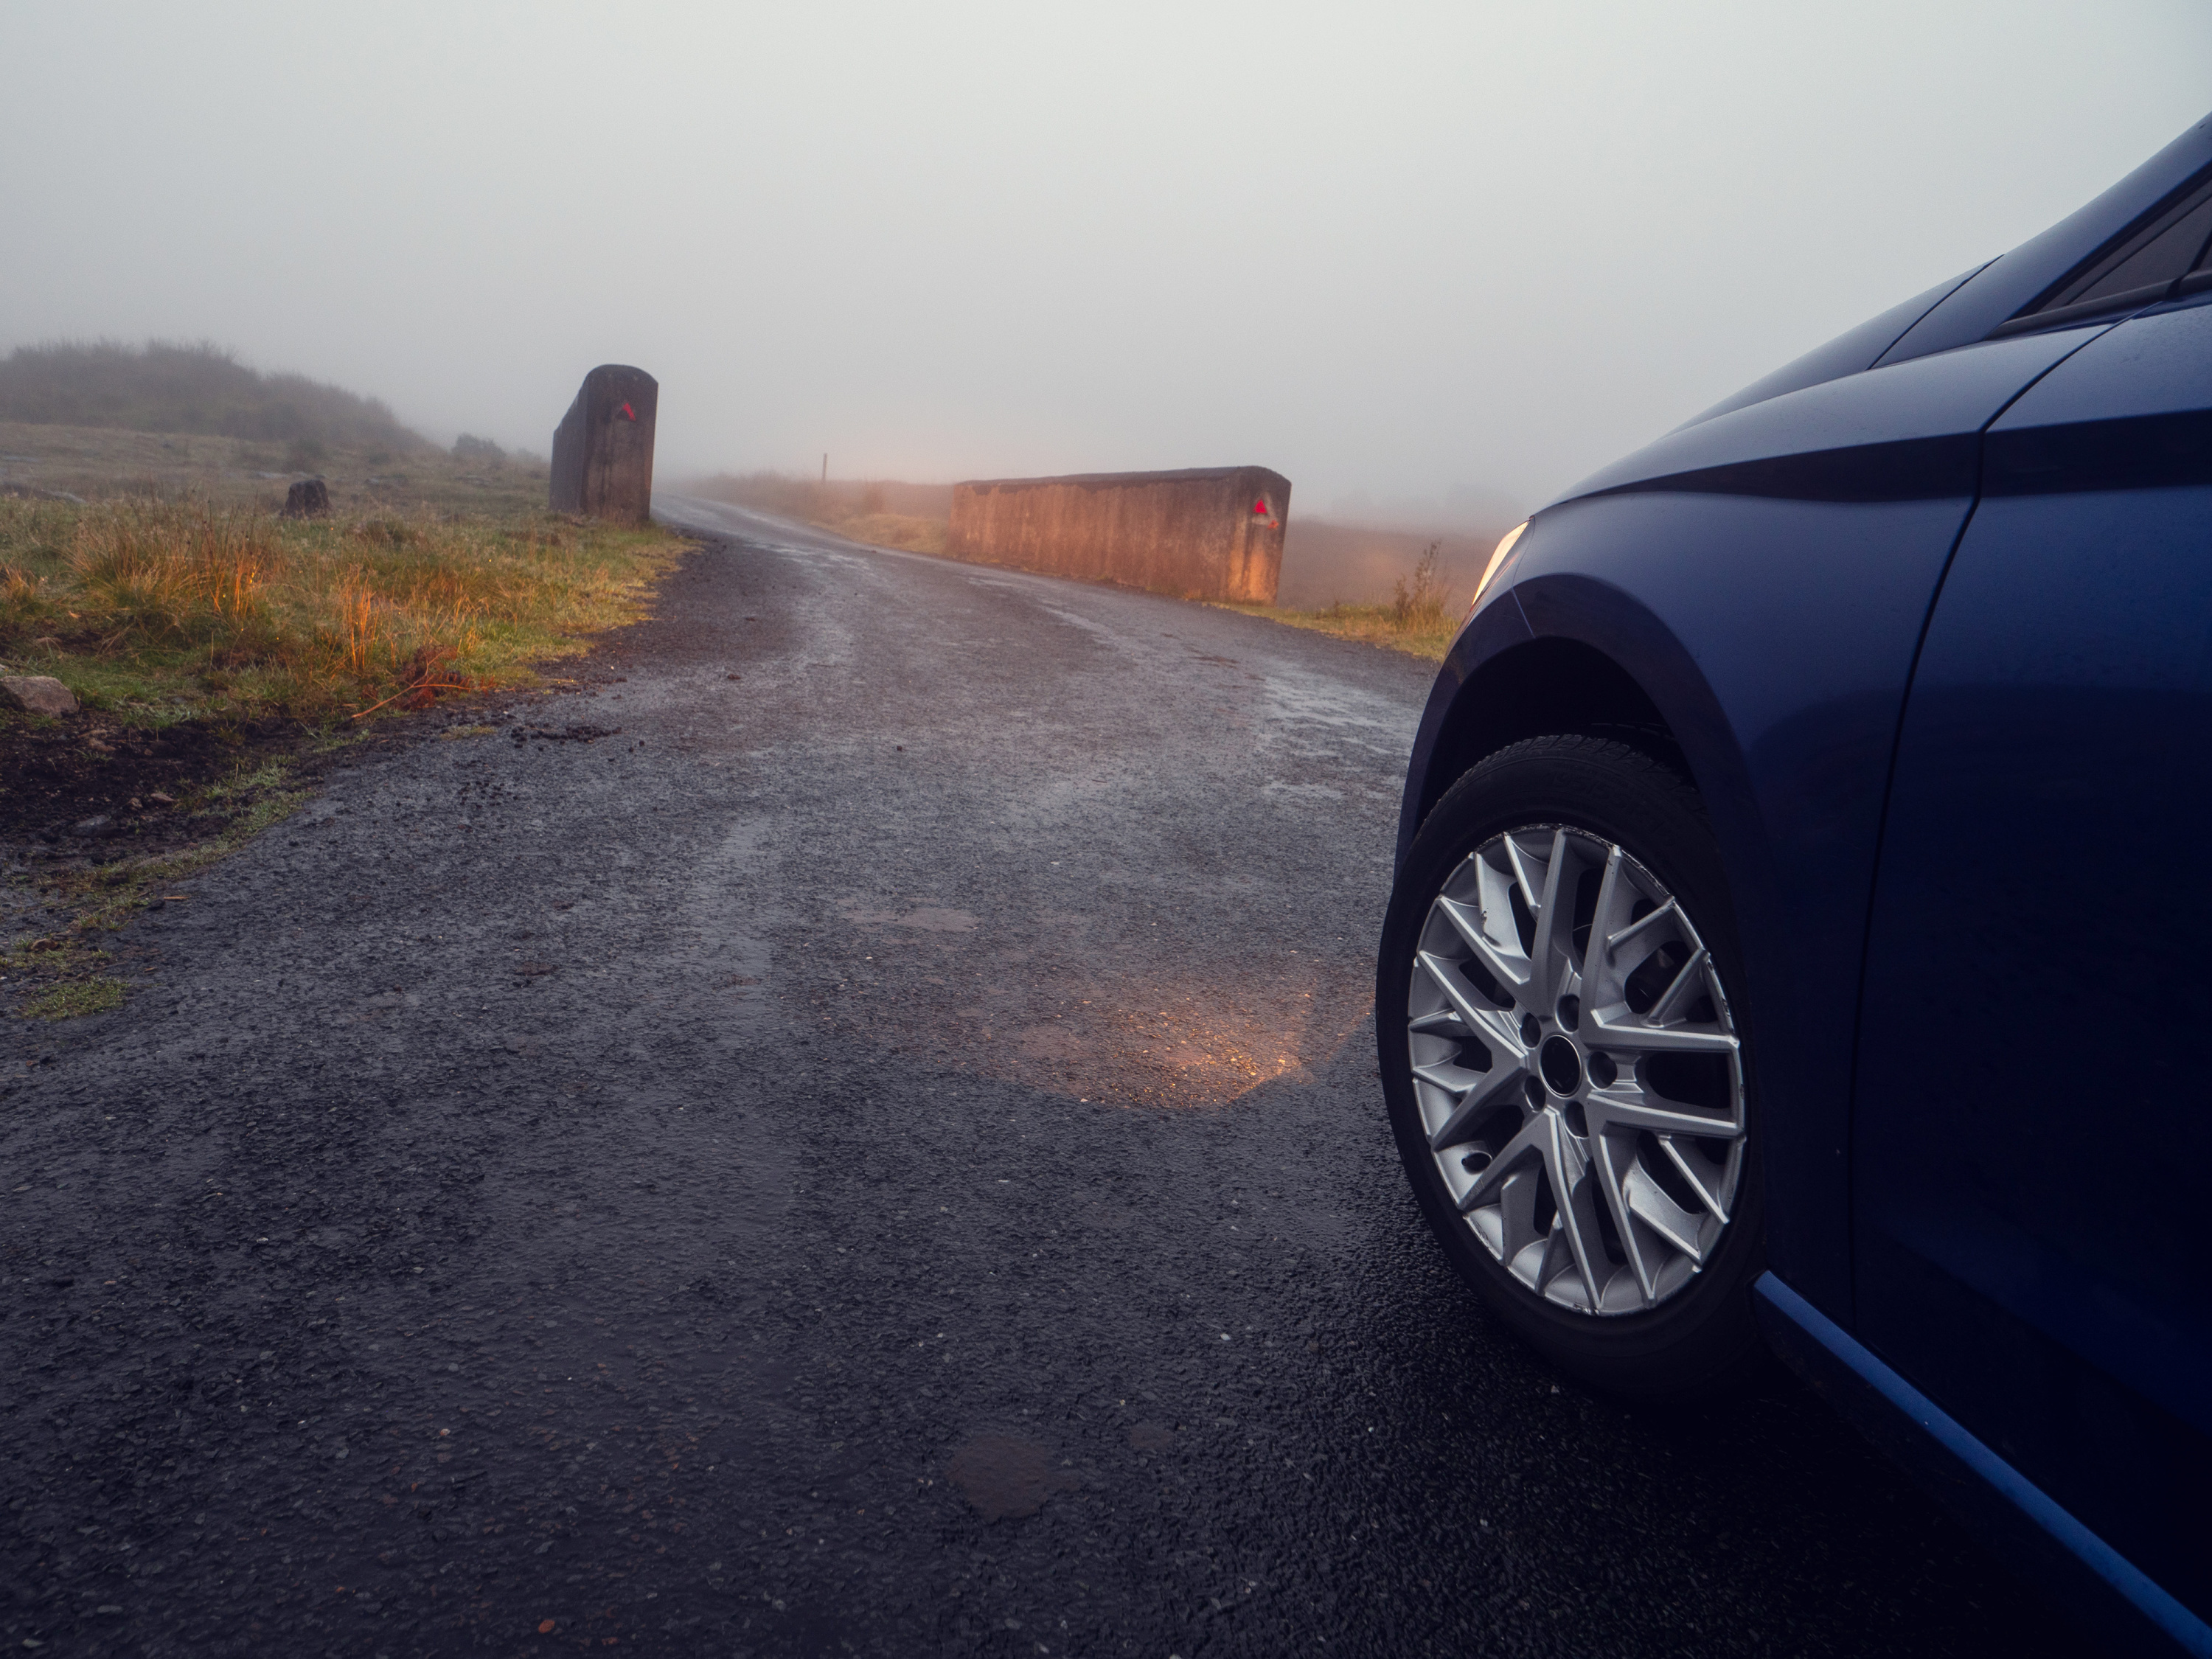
1424,260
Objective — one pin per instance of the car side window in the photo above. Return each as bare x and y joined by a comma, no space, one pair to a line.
2169,254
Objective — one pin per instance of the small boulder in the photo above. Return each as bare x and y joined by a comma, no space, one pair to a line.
36,693
310,498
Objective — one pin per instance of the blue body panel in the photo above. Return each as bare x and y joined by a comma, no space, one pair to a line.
2028,1166
1900,433
1849,353
1933,640
2069,1561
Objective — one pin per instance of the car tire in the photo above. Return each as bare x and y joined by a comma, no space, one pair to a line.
1666,1311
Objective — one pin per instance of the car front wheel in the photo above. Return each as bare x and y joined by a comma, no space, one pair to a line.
1566,1068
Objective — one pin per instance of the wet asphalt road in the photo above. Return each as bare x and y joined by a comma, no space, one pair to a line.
879,1156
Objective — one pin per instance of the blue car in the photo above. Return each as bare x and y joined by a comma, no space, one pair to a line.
1802,928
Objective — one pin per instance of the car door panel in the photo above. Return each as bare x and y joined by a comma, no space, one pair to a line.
2030,1125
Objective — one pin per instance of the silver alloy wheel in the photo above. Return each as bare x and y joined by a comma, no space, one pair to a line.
1578,1070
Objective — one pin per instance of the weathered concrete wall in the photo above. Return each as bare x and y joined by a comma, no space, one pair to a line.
603,448
1208,533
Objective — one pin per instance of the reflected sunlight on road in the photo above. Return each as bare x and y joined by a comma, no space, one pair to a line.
1099,1023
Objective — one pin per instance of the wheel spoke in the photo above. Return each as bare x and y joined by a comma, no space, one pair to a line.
1444,1022
1559,1258
1516,1197
1529,1139
1482,1022
1631,1035
1466,922
1612,1162
1676,1226
1693,973
1613,894
1517,862
1699,1184
1545,951
1635,929
1570,1189
1618,1112
1474,1104
1454,1079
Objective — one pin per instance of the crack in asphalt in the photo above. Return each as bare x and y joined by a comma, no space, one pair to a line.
877,1155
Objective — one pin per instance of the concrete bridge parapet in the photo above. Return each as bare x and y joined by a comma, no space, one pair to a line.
1205,533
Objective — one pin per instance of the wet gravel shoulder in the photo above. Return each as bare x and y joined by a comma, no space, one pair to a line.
854,1133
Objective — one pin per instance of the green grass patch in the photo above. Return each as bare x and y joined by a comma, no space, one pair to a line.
75,998
103,898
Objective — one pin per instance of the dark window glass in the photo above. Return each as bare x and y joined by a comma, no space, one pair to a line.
2169,247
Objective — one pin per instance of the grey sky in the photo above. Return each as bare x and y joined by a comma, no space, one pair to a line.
1403,251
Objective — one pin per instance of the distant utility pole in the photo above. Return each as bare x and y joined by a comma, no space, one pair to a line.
825,466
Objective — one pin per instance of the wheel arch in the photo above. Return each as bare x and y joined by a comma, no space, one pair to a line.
1546,686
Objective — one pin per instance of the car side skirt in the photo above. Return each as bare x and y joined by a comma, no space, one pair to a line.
2113,1599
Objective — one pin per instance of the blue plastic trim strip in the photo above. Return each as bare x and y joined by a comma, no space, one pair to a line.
1965,1475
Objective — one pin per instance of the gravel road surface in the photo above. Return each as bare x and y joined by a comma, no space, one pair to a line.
877,1151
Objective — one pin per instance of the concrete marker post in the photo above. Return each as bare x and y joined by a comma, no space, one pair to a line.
603,448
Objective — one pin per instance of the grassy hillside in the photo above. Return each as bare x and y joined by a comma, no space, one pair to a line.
100,463
168,388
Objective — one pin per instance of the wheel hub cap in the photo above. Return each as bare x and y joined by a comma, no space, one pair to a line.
1562,1067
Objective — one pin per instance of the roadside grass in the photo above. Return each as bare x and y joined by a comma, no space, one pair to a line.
157,611
1372,624
182,611
1415,621
76,997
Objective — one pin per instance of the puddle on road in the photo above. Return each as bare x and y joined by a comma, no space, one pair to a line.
1006,1478
928,918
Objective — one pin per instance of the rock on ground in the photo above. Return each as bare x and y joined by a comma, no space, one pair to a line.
36,693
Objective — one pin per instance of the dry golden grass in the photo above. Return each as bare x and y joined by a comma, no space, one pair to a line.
163,610
1373,624
1416,621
